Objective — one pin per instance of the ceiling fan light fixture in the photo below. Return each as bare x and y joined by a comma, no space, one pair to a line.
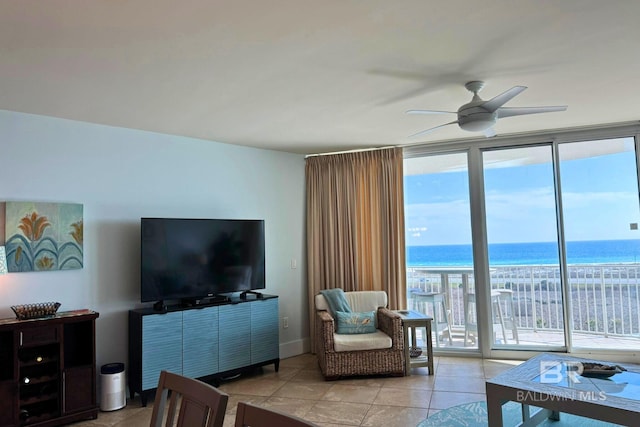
478,122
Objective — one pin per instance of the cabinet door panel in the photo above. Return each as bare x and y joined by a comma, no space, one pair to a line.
200,342
78,389
234,336
161,346
8,389
264,330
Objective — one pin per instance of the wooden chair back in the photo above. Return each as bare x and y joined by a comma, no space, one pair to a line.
194,402
249,415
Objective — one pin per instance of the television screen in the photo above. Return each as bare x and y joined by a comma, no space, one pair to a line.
199,258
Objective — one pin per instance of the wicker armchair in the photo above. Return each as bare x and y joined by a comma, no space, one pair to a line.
342,355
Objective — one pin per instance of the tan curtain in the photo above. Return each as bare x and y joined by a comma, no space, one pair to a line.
355,224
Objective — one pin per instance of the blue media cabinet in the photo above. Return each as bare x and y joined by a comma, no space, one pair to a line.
207,342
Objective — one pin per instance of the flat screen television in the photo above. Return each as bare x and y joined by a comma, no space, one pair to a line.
192,259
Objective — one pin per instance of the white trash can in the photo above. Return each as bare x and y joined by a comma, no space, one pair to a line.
113,394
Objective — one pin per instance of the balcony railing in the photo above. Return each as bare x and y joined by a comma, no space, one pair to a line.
604,297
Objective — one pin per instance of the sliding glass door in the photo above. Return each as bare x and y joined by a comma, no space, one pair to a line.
440,279
601,215
524,258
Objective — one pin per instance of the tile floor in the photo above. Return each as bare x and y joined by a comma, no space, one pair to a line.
299,389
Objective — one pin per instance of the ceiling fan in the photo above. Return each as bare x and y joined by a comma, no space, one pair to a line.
480,115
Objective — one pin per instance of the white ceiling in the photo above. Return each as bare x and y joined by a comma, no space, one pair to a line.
316,76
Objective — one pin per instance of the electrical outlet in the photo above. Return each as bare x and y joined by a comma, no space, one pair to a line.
285,322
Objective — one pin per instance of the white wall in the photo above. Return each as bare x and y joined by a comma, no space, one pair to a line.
121,175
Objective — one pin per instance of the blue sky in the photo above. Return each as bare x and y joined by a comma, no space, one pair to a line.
600,199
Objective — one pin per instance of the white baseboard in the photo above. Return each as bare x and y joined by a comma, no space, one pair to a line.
295,348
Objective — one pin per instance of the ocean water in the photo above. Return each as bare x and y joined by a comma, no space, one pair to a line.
539,253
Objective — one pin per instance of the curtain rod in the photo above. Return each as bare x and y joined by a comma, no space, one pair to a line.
357,150
630,126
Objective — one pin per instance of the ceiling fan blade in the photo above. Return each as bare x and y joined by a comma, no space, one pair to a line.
498,101
432,129
520,111
429,112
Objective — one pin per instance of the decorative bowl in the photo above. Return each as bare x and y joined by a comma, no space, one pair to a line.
35,311
415,351
600,370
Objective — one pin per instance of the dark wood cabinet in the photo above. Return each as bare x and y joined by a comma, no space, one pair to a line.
48,370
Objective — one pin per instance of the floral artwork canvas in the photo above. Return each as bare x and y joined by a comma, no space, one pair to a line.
42,236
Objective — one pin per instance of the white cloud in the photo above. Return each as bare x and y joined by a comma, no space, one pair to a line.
527,216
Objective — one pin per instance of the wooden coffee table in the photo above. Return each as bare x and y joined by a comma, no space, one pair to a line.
552,383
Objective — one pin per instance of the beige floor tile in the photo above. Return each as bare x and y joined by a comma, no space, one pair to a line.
393,416
423,370
460,384
434,411
459,361
374,381
416,398
252,386
310,391
490,372
424,382
308,375
351,393
447,399
297,407
94,423
100,422
307,360
338,412
229,421
111,418
138,419
465,369
496,367
285,373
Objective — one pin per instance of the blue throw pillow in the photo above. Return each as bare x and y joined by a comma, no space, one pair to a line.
356,323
